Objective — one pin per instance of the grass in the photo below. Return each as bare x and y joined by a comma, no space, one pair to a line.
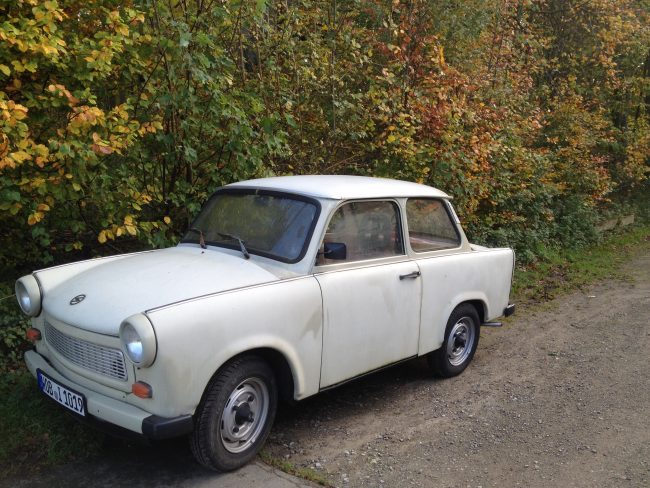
290,468
35,432
561,271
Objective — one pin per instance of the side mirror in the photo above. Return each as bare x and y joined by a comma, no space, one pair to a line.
335,250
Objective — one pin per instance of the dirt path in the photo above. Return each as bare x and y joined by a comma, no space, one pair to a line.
559,397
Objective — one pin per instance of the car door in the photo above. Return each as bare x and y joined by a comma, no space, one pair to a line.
371,299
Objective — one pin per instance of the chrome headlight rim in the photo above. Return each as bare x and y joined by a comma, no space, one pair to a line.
29,295
134,330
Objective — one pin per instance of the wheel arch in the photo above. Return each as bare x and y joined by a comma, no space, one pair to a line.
432,339
478,305
281,368
280,365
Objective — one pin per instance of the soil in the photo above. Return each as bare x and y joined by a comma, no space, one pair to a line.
559,396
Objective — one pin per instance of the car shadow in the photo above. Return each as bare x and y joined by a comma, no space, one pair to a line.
170,463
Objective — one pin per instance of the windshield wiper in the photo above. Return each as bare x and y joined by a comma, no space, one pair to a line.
201,238
238,239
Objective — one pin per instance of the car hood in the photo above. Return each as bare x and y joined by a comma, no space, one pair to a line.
114,289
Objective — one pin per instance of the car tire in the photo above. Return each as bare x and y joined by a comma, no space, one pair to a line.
458,348
236,414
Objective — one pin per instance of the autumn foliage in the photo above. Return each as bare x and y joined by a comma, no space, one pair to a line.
119,118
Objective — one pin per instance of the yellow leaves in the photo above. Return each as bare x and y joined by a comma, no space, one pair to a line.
35,218
107,234
48,50
18,66
122,30
39,214
5,69
50,5
4,145
20,156
7,163
12,112
84,117
146,128
150,127
19,112
37,182
129,227
121,112
167,220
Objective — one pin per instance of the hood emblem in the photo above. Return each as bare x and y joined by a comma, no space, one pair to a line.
77,299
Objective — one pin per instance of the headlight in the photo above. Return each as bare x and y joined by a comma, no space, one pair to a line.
138,340
28,294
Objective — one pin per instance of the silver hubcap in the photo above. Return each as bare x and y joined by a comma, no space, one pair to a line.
461,339
244,415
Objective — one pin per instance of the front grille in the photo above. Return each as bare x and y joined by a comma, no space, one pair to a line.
100,359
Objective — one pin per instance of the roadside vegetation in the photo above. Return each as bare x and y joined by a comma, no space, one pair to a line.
119,118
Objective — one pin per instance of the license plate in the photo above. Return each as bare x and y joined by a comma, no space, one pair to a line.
59,393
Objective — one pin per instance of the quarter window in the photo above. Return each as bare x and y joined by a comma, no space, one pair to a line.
369,230
430,225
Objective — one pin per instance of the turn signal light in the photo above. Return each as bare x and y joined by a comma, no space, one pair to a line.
141,389
33,334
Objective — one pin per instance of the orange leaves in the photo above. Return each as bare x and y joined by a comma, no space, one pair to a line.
150,127
39,214
60,90
83,118
99,146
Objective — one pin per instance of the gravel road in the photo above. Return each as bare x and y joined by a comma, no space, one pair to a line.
559,396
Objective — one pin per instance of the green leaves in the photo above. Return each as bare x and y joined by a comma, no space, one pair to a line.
529,116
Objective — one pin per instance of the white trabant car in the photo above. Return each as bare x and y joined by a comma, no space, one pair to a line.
283,287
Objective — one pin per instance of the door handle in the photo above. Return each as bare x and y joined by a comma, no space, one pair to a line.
410,276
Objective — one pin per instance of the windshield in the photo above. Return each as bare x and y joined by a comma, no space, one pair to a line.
267,223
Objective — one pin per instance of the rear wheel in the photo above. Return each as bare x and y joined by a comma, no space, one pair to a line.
236,414
461,339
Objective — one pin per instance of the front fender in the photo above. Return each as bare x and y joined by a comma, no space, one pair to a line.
195,338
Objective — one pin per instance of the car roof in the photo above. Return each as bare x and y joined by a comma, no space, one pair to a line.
340,187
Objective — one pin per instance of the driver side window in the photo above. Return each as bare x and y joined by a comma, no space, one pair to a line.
369,230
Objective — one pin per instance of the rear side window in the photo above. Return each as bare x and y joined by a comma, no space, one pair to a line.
369,230
430,225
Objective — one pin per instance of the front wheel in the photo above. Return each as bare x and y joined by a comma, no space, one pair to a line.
461,339
236,414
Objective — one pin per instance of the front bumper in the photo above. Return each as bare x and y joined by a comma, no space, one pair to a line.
114,412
